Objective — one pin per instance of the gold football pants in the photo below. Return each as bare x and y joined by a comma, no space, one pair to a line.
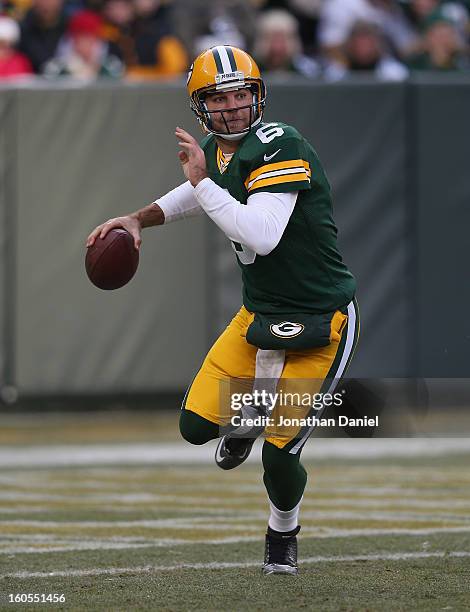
229,367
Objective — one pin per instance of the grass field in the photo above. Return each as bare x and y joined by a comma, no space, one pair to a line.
126,532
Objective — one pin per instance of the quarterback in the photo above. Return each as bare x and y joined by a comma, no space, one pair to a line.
265,188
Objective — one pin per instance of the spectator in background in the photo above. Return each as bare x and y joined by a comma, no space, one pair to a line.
418,13
338,17
84,55
140,33
307,14
278,47
12,63
117,29
41,30
443,46
365,51
158,52
202,24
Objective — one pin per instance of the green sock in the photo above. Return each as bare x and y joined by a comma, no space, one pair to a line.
197,430
284,477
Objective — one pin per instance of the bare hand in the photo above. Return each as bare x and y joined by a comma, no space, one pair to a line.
192,157
129,223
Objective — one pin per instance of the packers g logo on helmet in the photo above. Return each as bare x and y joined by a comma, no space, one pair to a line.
225,68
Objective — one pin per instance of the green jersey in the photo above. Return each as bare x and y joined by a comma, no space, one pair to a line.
305,272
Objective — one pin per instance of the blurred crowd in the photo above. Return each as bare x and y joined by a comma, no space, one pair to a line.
157,39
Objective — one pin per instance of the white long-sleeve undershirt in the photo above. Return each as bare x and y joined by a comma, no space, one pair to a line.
259,225
179,203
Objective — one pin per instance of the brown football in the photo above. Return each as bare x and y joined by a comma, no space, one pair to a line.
112,261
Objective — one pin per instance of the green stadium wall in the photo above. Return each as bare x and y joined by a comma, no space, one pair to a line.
397,158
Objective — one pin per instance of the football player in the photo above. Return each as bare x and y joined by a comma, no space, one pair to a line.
264,186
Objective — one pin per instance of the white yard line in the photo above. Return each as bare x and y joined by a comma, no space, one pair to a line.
312,532
131,499
123,498
152,569
393,493
24,544
86,488
100,545
180,453
203,524
384,502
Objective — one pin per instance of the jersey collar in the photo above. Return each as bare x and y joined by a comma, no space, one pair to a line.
223,160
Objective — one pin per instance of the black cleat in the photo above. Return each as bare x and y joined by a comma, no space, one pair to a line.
280,553
232,452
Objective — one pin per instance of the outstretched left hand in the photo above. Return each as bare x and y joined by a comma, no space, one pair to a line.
192,157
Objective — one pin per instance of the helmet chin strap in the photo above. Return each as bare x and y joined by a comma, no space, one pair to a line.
236,135
232,137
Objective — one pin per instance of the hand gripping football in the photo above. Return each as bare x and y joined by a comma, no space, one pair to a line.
111,262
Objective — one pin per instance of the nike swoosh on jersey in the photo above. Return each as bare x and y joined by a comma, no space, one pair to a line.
268,157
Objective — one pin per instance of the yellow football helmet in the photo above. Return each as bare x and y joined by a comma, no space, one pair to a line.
225,68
